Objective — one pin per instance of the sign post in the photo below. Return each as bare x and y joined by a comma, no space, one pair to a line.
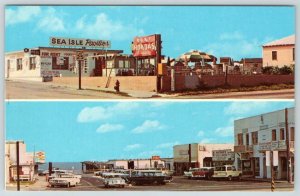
79,58
18,166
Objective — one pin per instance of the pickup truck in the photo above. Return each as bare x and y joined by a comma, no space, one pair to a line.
228,172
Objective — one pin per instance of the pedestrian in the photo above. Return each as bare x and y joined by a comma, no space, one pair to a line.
117,86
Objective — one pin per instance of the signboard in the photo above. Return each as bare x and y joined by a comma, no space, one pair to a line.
144,46
74,42
264,146
268,161
223,155
183,152
35,52
245,156
275,158
155,158
40,157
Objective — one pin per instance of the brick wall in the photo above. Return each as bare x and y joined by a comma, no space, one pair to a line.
137,83
246,80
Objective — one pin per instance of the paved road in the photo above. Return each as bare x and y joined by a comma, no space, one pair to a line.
181,184
39,90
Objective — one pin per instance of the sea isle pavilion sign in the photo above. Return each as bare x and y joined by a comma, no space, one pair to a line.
74,42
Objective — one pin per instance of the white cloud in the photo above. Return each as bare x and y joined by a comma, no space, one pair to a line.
21,14
51,21
105,128
207,140
88,114
92,114
167,145
101,26
224,131
235,45
148,126
242,108
231,36
132,147
201,134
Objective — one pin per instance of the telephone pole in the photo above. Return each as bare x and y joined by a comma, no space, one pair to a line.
287,141
18,165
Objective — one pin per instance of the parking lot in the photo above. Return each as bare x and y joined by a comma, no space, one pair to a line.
179,183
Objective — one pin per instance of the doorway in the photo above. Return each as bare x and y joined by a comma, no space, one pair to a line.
98,66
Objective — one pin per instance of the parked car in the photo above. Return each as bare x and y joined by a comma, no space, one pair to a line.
113,180
204,172
148,177
228,172
189,173
66,180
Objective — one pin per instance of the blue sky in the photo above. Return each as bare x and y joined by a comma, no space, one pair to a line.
78,131
236,31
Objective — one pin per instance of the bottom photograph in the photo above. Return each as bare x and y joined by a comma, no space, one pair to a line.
149,145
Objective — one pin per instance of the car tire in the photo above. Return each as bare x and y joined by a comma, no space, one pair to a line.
229,178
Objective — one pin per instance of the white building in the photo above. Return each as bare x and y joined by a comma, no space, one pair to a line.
49,61
195,155
255,135
28,166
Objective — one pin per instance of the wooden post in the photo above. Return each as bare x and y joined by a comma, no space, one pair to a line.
272,172
18,165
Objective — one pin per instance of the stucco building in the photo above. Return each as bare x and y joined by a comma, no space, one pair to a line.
195,155
38,62
255,135
279,52
28,163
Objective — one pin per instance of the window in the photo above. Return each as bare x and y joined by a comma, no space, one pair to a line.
292,134
126,64
247,139
293,54
229,169
254,138
282,134
19,64
60,63
240,139
274,135
121,64
32,63
274,55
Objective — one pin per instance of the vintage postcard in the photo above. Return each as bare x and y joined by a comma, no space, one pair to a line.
150,146
121,52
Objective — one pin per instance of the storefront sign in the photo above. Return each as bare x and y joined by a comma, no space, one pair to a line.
245,156
73,42
264,146
223,155
144,46
35,52
40,157
155,158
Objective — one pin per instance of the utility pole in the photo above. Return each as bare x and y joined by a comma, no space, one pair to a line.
272,172
18,166
287,141
79,74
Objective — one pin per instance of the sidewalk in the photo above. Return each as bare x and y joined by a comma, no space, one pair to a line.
250,178
39,185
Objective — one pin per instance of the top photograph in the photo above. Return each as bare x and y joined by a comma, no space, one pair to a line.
149,52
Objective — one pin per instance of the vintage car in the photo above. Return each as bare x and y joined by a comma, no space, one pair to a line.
189,173
66,180
204,172
227,172
141,177
112,179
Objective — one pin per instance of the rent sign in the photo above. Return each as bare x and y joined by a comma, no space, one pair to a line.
144,46
73,42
